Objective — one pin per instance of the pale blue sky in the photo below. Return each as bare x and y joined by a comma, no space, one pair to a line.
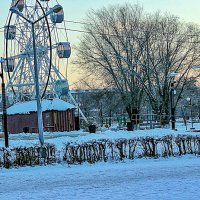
187,10
75,10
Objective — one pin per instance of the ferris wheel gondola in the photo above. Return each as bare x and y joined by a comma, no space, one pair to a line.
64,50
10,32
19,4
10,65
57,17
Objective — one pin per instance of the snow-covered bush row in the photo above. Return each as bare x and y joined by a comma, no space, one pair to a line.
101,150
27,156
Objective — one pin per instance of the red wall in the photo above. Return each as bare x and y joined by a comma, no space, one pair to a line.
52,121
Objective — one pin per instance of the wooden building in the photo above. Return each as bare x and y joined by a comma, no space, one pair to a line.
58,116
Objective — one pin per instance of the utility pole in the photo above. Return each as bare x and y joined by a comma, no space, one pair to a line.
4,119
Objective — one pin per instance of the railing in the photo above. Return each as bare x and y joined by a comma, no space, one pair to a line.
142,121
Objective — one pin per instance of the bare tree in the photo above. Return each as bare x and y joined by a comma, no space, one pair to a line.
134,53
170,46
107,51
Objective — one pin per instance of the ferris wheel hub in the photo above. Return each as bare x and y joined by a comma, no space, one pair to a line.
40,51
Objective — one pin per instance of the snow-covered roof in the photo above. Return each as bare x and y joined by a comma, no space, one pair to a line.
31,106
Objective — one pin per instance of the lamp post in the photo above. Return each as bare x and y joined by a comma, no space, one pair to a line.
172,93
4,123
55,9
172,105
189,100
194,67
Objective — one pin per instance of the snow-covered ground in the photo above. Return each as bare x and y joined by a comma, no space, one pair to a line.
141,179
59,139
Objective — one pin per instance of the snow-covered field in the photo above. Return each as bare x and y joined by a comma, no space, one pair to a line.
141,179
59,139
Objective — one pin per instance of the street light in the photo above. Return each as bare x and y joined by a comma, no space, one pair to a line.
172,93
4,123
189,100
16,11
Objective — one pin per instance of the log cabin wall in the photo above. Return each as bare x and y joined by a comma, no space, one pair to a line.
19,122
64,120
57,121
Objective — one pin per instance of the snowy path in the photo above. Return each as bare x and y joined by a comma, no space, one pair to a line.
163,179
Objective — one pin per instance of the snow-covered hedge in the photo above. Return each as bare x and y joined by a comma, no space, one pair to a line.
104,150
27,156
101,150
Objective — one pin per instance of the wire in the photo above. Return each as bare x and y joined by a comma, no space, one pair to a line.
136,30
112,35
76,22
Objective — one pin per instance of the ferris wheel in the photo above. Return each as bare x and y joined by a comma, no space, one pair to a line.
51,47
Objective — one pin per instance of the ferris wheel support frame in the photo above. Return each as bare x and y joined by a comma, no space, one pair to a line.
37,89
38,98
15,10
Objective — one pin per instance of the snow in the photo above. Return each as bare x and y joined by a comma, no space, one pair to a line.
60,138
31,106
141,179
174,178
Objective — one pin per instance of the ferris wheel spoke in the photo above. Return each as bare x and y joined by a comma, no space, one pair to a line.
31,67
13,75
21,80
